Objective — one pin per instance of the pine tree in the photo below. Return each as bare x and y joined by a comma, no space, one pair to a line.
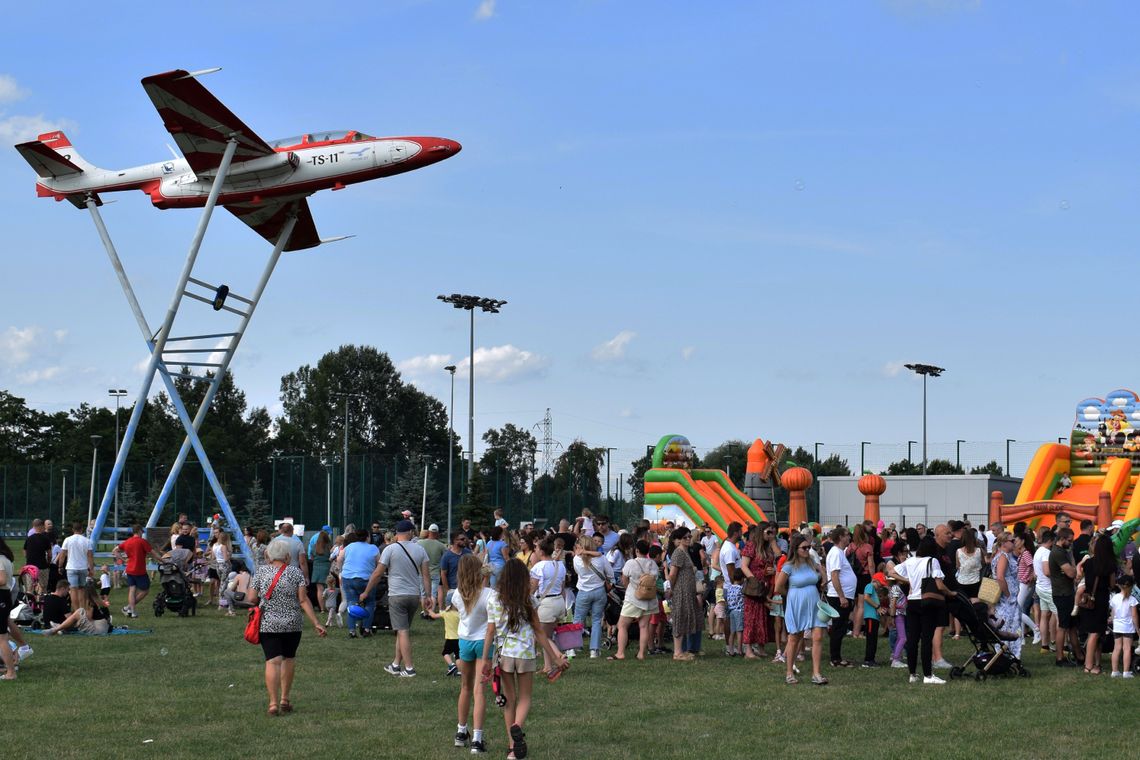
130,508
408,493
256,512
477,509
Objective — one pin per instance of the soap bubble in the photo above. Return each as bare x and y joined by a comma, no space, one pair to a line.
799,184
1064,205
163,652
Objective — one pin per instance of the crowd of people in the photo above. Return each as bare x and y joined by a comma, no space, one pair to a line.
502,594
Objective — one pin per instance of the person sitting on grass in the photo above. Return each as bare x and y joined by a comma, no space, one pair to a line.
91,617
57,604
512,623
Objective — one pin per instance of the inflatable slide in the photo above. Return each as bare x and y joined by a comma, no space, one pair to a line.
675,491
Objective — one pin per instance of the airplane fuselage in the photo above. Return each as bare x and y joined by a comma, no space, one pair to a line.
293,170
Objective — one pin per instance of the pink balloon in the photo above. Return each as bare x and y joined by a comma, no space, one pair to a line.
882,525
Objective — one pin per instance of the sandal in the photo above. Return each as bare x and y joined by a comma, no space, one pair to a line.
273,710
819,680
518,739
286,706
1093,671
685,657
791,680
615,658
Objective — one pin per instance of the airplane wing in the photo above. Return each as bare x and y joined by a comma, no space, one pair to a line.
199,122
267,219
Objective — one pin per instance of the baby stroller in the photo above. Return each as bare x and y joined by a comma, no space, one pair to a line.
175,592
991,656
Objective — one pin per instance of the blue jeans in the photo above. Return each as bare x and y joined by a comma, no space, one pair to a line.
353,588
592,604
692,642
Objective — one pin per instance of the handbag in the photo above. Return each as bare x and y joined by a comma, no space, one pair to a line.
253,625
753,587
929,585
989,591
1086,600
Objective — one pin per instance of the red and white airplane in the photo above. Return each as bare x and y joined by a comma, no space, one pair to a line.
265,179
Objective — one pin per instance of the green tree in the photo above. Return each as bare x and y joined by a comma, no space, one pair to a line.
577,474
476,508
942,467
990,468
904,467
131,509
636,480
255,513
507,464
730,456
409,494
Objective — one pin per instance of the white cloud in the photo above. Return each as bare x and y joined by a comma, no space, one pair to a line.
1092,413
424,365
628,414
1119,401
501,363
20,128
614,348
893,368
9,90
687,352
492,365
17,343
485,10
40,375
60,335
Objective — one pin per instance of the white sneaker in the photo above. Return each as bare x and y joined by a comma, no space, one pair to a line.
941,665
1115,674
1129,674
24,652
898,664
569,654
595,654
933,679
913,679
1037,637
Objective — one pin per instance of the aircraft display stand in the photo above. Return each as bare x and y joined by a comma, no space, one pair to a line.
157,341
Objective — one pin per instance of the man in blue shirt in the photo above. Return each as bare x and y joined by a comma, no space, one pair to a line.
449,568
603,528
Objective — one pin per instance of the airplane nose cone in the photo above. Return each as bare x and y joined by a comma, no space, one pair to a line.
443,145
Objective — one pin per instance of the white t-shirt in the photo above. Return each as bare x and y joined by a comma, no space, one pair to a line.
729,555
616,560
915,569
550,576
1121,607
1041,557
837,560
473,623
104,581
969,566
588,580
709,542
587,526
76,546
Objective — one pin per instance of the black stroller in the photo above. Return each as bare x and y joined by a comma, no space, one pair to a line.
991,657
175,592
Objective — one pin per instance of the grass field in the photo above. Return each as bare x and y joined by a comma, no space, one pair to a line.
195,688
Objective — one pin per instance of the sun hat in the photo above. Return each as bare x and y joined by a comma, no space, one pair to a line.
824,611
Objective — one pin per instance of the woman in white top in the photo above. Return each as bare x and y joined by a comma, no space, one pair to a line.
968,561
470,601
634,609
547,577
923,609
594,573
221,552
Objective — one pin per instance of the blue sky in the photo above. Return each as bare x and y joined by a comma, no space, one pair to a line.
732,220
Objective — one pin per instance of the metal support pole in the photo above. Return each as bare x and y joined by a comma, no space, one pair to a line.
450,451
344,461
157,343
471,401
924,424
91,499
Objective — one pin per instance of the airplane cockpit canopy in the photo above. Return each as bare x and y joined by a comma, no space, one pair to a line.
320,138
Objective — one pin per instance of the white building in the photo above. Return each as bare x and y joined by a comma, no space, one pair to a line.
910,499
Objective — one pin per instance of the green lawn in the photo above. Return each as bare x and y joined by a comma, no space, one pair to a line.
195,688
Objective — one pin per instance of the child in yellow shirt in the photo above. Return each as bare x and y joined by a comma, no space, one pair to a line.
450,652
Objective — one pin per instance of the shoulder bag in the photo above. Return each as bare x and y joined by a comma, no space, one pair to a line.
607,584
253,625
1087,600
929,585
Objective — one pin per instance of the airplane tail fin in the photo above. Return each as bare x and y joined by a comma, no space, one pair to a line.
52,155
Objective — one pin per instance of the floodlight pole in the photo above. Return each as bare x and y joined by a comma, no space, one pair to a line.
118,393
1007,469
925,370
94,458
959,452
450,448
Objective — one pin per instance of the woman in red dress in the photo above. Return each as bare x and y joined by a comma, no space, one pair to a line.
757,560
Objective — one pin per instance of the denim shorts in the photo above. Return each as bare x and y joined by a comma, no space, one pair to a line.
77,578
735,620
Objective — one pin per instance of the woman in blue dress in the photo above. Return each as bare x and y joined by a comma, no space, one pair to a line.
798,582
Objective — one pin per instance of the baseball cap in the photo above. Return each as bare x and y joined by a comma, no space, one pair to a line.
326,528
880,578
407,513
405,526
433,528
1116,525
